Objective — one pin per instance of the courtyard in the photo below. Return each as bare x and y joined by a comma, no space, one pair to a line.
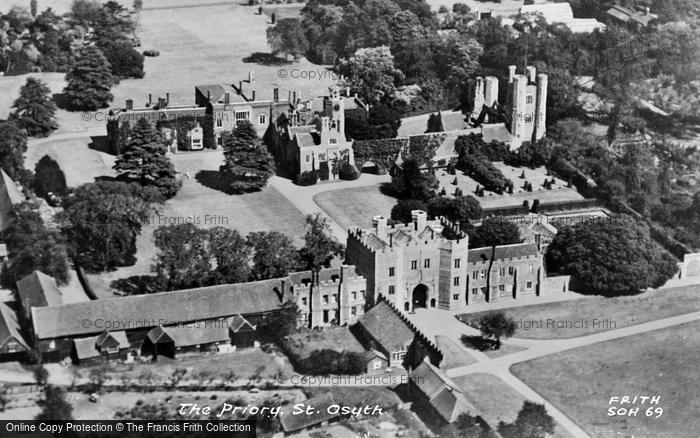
355,207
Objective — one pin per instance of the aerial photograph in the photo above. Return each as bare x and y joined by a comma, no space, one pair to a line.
350,218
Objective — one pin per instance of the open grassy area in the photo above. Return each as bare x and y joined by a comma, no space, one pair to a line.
570,319
494,400
335,338
355,207
662,363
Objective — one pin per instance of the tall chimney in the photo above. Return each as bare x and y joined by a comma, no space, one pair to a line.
420,218
129,104
240,87
150,99
379,224
227,98
511,73
167,98
530,72
294,98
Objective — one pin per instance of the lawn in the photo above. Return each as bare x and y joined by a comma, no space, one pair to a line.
570,319
355,207
494,400
336,338
662,363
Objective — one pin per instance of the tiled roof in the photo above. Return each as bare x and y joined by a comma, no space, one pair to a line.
86,348
177,306
502,252
441,391
9,327
386,327
320,404
38,290
237,322
375,242
10,196
187,336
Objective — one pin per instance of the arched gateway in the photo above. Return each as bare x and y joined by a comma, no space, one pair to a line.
420,296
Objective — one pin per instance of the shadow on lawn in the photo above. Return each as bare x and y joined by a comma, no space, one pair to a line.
265,59
213,180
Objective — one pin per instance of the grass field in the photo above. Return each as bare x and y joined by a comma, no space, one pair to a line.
355,207
590,314
336,338
661,363
494,400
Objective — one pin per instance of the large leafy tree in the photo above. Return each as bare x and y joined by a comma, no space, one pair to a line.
89,81
148,165
464,209
493,232
411,182
466,426
102,221
274,254
287,36
611,257
401,212
248,165
320,247
184,259
33,246
34,110
496,325
230,252
533,421
55,407
49,178
13,145
371,73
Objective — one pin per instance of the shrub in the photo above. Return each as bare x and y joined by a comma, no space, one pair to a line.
348,172
323,362
307,178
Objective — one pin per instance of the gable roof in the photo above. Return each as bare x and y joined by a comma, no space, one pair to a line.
386,327
144,311
38,290
237,323
9,327
186,336
10,195
441,391
501,252
293,423
86,348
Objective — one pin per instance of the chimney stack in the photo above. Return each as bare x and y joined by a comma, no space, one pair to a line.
294,98
511,73
129,104
150,99
530,72
167,98
227,98
251,76
379,224
420,218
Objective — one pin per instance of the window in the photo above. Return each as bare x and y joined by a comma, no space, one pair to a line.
457,262
529,285
483,273
334,299
414,264
455,297
219,123
475,275
220,141
398,355
354,295
325,316
392,290
377,364
242,115
501,287
303,301
362,293
262,119
475,290
426,263
325,299
321,157
455,281
511,270
333,140
501,271
391,272
353,311
528,98
528,118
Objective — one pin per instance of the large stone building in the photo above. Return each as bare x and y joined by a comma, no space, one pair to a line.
428,263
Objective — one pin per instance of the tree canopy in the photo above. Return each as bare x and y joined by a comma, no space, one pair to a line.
610,257
89,81
34,110
13,145
320,247
493,232
287,36
248,165
496,325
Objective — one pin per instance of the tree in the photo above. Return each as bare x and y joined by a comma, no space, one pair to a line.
124,60
411,182
371,73
13,145
248,165
435,123
34,110
230,252
142,133
54,406
274,254
281,324
319,246
533,422
49,178
464,209
466,426
148,165
401,212
183,260
102,221
610,257
493,232
89,81
496,325
32,246
287,36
